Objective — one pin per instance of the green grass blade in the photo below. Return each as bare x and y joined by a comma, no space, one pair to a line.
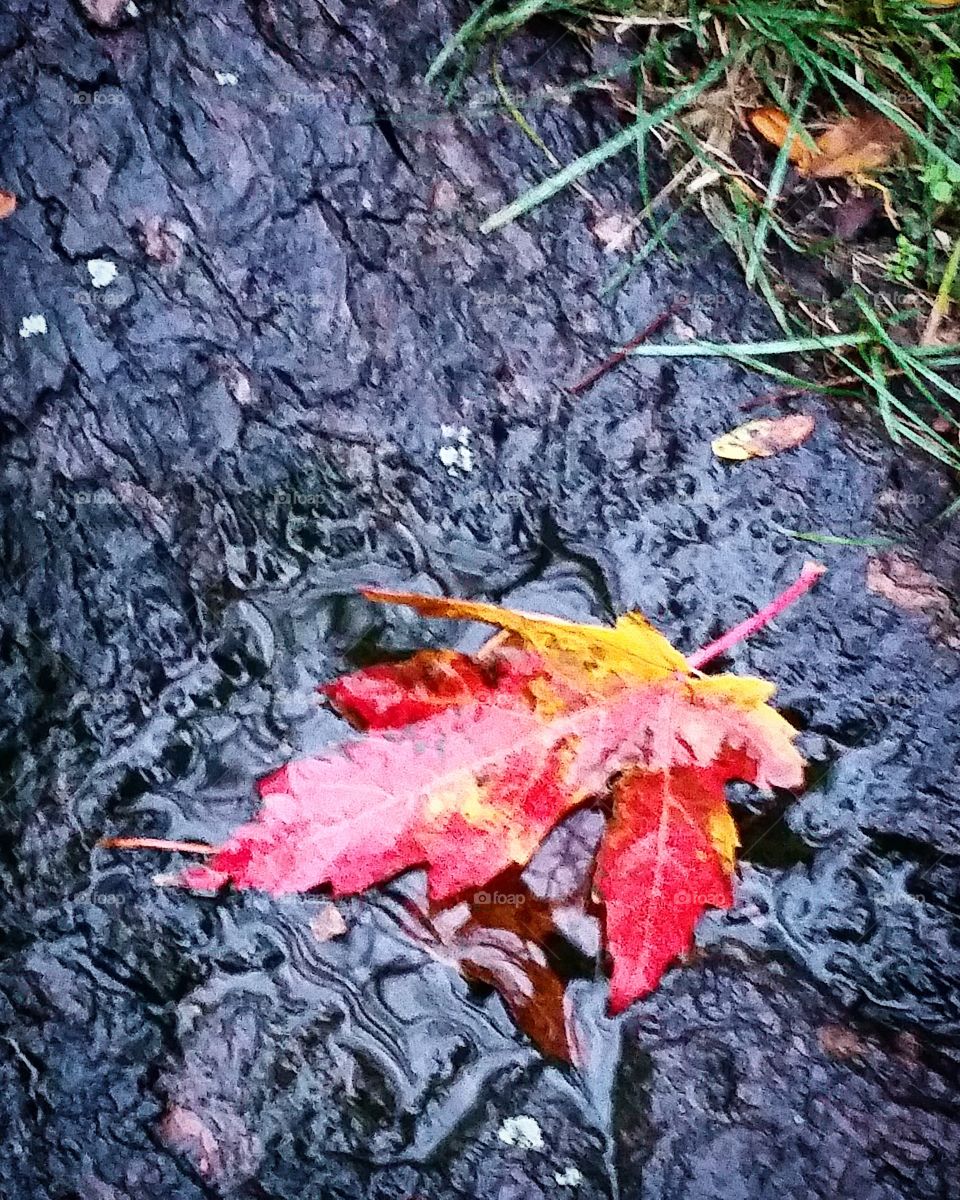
831,539
520,13
777,176
886,401
459,40
892,64
797,345
612,146
915,370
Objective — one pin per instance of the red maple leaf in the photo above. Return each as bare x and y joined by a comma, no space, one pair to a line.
467,763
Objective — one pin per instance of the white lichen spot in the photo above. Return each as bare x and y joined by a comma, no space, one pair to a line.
226,78
569,1177
102,272
131,9
32,325
455,452
522,1132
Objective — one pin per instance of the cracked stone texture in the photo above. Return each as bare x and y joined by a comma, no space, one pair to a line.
312,371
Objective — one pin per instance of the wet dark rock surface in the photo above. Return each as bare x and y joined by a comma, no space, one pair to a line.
311,371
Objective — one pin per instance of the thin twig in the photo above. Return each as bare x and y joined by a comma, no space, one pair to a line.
776,396
615,359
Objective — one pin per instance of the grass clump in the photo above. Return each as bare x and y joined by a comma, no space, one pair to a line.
861,271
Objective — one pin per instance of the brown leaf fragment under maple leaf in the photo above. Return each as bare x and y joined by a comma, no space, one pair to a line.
505,936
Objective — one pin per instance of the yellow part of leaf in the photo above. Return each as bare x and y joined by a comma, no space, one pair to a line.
631,649
744,691
753,695
723,835
764,437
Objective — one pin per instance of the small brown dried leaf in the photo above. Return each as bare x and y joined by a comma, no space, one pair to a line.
162,239
906,584
764,437
840,1042
187,1133
211,1135
850,146
856,146
852,217
8,204
443,196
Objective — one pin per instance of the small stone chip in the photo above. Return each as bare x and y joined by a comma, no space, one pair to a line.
568,1177
457,456
226,78
327,923
614,232
102,272
522,1132
105,13
32,325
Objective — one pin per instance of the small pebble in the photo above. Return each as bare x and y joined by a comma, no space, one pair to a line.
102,272
569,1177
456,454
327,923
226,78
523,1132
32,325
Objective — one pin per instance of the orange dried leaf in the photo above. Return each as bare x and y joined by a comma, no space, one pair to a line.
851,146
773,125
8,204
